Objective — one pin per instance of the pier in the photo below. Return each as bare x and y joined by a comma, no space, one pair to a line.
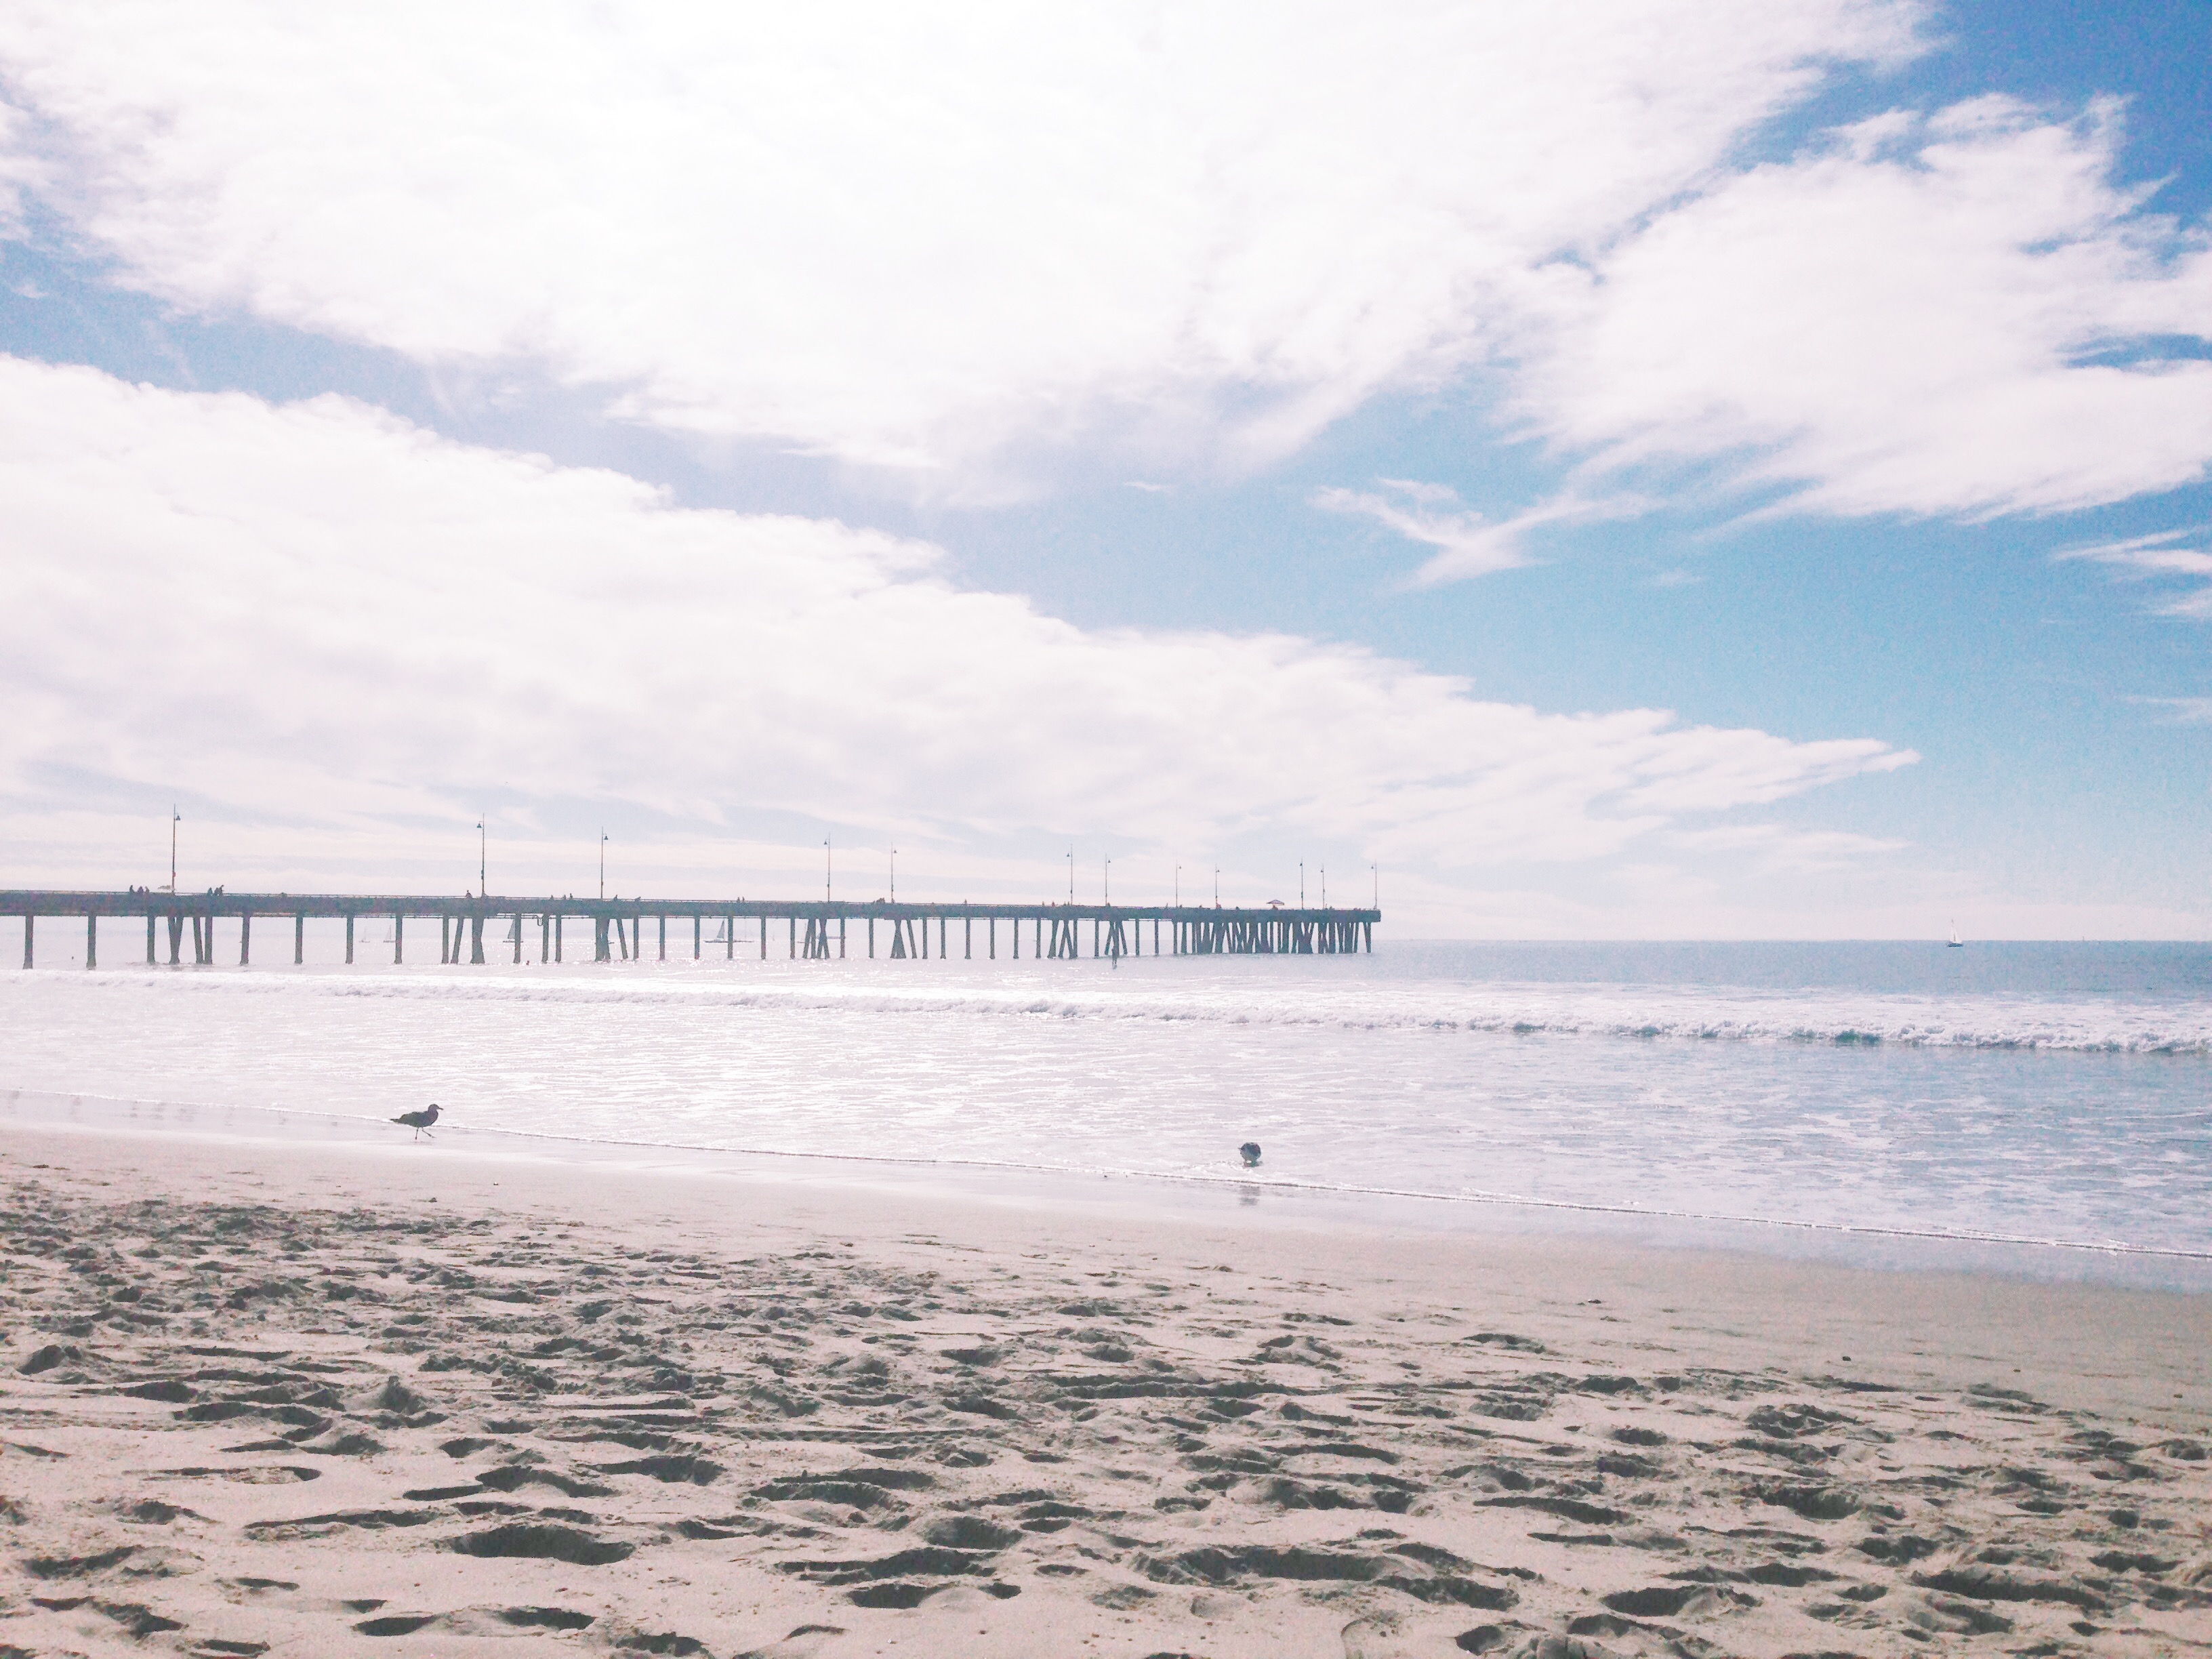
179,928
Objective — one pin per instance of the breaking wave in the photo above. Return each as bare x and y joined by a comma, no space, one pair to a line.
1639,1013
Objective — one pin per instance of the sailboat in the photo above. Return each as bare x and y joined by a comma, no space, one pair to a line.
1956,942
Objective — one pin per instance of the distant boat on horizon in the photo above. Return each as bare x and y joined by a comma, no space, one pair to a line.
1956,942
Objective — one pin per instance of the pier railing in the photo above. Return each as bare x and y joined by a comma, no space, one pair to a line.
816,929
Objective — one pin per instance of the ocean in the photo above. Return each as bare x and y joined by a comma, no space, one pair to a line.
2042,1096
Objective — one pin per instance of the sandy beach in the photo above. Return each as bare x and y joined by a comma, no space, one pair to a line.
310,1400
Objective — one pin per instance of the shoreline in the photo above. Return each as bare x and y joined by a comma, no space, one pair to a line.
1089,1427
1181,1197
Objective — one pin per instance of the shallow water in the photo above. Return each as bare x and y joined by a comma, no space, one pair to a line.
2035,1092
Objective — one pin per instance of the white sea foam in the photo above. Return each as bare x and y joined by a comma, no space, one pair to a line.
1641,1012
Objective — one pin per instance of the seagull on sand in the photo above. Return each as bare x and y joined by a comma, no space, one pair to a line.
420,1122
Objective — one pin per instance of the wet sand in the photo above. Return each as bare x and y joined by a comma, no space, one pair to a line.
410,1399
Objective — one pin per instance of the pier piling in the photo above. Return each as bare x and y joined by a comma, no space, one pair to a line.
618,926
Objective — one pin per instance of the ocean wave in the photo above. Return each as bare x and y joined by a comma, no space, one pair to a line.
1631,1013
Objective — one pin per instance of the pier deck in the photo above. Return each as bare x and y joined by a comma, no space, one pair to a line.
816,929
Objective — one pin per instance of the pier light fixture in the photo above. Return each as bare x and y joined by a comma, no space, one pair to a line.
483,859
1216,887
1178,887
828,853
1324,887
1108,880
894,875
603,861
174,820
1302,883
1071,875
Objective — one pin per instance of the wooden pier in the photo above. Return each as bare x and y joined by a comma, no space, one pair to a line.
818,930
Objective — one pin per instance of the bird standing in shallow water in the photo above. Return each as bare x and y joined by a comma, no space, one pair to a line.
420,1122
1250,1152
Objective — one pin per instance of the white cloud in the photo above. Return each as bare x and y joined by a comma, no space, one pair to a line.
927,237
1467,543
2184,711
318,616
1777,847
1932,317
2156,556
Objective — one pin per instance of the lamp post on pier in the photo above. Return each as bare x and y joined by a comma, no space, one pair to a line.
602,862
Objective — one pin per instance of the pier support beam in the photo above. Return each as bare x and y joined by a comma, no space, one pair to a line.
27,942
177,937
299,938
557,938
664,938
348,941
150,938
398,936
244,939
92,941
476,941
696,929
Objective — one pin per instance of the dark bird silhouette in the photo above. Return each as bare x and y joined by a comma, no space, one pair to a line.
1250,1152
420,1122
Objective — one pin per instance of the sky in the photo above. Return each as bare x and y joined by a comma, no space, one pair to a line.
1723,469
